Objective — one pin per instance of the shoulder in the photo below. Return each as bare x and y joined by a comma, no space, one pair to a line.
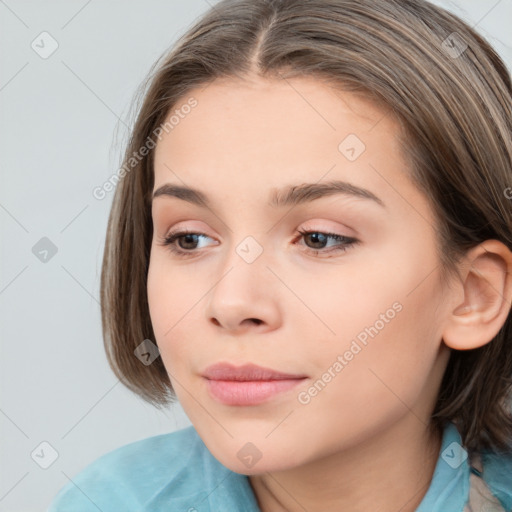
129,477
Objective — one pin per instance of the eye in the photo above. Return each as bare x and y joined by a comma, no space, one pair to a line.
184,243
190,239
319,239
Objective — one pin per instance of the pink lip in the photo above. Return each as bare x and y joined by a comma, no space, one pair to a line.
248,384
227,371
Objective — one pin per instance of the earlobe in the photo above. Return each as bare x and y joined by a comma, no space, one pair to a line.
487,291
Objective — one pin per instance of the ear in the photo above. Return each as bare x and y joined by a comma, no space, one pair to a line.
487,296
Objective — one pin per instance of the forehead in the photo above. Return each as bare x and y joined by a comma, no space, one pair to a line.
249,114
243,138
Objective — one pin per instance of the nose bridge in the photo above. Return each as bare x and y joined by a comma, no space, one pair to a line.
249,241
245,266
244,288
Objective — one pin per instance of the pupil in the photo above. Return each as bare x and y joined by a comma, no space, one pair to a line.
187,240
316,235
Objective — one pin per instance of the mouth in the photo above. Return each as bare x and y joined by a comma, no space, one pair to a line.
248,384
230,392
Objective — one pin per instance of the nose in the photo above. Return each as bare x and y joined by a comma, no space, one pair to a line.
245,297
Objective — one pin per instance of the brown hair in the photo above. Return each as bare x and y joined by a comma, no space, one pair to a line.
454,103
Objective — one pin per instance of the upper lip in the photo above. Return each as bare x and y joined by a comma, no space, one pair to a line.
227,371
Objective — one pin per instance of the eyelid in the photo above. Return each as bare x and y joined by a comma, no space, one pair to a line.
309,225
189,227
326,226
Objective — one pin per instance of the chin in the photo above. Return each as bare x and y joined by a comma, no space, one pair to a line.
248,458
259,468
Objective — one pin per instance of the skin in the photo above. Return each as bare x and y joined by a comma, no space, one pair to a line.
363,439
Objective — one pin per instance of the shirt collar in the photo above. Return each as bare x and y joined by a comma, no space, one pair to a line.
449,487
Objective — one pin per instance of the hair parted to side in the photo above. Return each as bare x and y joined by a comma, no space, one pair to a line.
456,113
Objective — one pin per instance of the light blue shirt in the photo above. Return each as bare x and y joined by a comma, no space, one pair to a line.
176,473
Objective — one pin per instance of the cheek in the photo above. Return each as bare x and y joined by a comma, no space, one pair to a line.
172,293
353,296
385,317
385,376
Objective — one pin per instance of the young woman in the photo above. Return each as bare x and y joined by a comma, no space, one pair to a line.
310,248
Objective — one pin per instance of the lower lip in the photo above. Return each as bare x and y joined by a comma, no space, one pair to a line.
251,392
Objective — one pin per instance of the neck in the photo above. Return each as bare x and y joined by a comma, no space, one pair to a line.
390,471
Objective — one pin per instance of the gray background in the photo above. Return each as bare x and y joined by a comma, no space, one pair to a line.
63,123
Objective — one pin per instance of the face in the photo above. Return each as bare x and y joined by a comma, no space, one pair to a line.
338,288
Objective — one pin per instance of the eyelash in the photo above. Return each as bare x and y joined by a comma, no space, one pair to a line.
169,242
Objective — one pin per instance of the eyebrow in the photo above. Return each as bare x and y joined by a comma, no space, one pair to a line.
290,195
